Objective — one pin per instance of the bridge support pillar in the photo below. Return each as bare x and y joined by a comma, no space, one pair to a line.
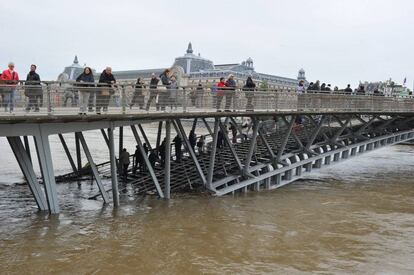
213,154
327,160
93,168
318,163
336,157
147,162
46,167
361,148
112,157
308,167
353,151
65,147
278,179
167,164
26,166
345,154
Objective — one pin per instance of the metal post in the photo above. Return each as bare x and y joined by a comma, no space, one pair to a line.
93,168
232,150
147,163
123,100
252,146
180,131
213,155
27,147
65,147
315,133
207,126
48,100
167,171
78,152
144,135
46,167
286,138
26,166
112,157
105,137
194,124
159,134
121,141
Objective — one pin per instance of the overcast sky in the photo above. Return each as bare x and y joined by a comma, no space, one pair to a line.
337,41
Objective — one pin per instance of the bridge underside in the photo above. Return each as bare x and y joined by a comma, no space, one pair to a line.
267,152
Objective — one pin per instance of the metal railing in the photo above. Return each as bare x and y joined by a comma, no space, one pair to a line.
58,98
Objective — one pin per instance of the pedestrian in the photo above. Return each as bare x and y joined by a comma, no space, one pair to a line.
323,87
220,139
348,89
300,89
200,145
152,158
106,81
164,95
249,88
33,89
192,139
138,160
10,78
316,87
199,96
221,86
233,130
124,162
230,92
178,143
361,90
86,87
162,152
173,93
310,88
153,92
138,97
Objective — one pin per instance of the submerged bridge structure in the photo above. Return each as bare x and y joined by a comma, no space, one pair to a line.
280,137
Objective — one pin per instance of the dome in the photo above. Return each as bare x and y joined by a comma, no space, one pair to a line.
192,63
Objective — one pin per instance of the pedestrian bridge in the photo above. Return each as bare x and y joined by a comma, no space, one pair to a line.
284,137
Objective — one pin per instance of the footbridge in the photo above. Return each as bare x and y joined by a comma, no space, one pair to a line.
261,140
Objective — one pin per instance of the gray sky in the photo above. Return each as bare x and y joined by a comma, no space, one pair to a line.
334,41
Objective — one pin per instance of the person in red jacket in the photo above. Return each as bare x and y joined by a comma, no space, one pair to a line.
221,86
10,78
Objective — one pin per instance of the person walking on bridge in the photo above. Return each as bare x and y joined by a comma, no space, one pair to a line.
124,162
106,81
138,97
164,95
192,138
87,84
34,89
10,77
178,143
348,90
230,93
221,86
153,92
249,88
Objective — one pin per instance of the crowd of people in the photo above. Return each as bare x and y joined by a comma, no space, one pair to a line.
317,87
162,91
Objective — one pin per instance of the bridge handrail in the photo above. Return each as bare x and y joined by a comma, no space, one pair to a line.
51,97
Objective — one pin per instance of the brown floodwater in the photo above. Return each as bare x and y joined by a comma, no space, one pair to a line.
355,217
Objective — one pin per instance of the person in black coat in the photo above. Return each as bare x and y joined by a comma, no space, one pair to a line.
34,90
348,90
178,143
249,88
106,81
192,138
153,92
139,96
